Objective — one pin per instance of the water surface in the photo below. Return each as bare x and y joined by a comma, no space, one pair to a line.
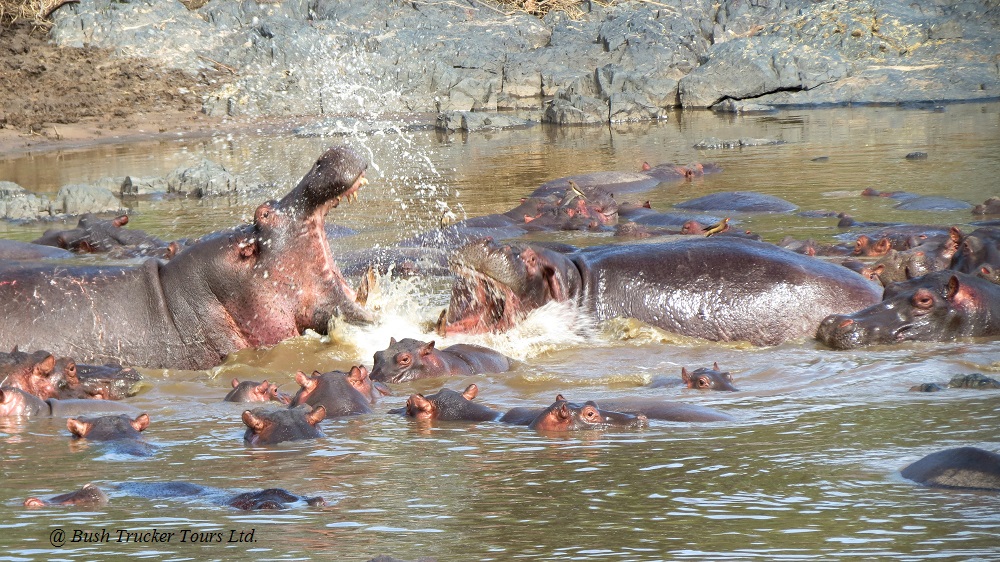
808,470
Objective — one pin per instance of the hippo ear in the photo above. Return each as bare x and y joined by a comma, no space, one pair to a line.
263,387
427,348
715,366
392,342
562,412
45,367
559,398
883,245
253,422
419,407
248,247
235,382
34,502
316,415
77,428
140,423
305,382
120,221
358,374
957,292
685,376
470,392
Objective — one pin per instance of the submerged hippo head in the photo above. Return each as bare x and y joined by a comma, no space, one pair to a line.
936,307
274,277
108,428
252,391
498,285
708,379
268,427
567,416
449,405
271,498
89,495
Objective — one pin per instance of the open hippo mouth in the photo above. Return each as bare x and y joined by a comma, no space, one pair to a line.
498,285
484,297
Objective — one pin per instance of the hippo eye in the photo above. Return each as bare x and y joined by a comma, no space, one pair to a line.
404,359
704,383
591,414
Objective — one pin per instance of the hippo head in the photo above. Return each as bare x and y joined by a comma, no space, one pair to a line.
252,391
934,307
89,495
107,428
498,285
431,407
406,360
708,379
36,373
567,416
267,427
274,277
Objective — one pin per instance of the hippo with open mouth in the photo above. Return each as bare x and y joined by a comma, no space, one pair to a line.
720,289
251,286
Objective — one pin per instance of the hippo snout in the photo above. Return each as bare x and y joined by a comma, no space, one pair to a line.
840,332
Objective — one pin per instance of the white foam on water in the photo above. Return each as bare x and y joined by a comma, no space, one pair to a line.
405,310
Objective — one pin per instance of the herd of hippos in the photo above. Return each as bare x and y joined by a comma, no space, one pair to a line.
274,277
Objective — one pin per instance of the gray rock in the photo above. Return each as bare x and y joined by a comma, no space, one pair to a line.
19,204
471,121
205,179
576,110
78,199
714,143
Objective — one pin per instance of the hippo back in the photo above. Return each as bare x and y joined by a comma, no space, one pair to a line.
721,289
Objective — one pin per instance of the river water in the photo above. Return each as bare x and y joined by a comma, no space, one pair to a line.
808,470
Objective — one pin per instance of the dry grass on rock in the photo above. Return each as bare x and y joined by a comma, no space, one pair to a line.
35,11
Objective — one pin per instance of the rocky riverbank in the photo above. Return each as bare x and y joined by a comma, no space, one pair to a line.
619,62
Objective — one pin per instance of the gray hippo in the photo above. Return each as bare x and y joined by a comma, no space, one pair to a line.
720,289
16,402
410,359
961,467
938,306
251,286
268,427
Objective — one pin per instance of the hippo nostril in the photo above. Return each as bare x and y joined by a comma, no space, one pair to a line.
845,323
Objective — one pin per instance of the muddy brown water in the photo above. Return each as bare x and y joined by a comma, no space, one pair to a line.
808,469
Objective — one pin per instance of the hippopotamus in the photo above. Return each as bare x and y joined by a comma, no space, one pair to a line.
271,498
16,402
88,496
720,289
250,286
96,235
977,381
939,306
979,248
91,495
708,379
448,405
35,373
105,382
252,391
989,207
27,251
627,182
340,393
563,415
120,432
108,428
739,202
961,467
269,427
410,359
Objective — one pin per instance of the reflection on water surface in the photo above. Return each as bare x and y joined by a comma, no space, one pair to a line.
808,469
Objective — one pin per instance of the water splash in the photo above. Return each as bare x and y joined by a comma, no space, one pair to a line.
406,310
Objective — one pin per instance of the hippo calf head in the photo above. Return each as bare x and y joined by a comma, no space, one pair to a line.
563,415
268,427
108,428
89,495
449,405
708,379
406,360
